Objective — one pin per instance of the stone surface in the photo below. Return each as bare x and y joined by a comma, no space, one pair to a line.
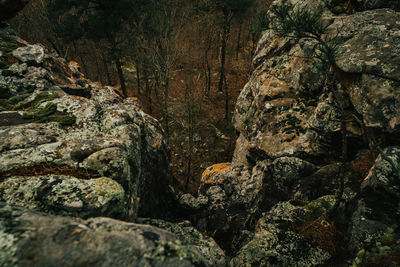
30,53
34,239
234,196
276,244
377,211
371,49
53,116
65,195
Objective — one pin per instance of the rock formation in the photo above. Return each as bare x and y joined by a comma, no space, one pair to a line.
284,175
72,150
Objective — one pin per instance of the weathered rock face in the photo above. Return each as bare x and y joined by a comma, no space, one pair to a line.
72,150
277,244
33,239
290,147
59,133
229,197
374,228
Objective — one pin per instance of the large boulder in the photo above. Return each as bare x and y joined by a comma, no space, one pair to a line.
29,238
228,203
71,146
290,143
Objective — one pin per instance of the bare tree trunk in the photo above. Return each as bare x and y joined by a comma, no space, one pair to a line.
138,78
165,107
103,58
207,74
226,99
224,38
238,39
148,92
81,59
189,107
118,65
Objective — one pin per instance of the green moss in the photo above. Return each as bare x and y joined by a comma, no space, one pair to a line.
316,209
18,98
8,104
38,113
40,98
62,119
34,110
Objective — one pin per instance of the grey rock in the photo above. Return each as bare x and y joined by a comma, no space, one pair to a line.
30,53
65,195
109,136
34,239
234,195
276,244
190,236
377,210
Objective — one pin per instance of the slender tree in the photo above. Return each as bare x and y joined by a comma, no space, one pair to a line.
103,21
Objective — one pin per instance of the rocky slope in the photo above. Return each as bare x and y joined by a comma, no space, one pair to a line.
72,150
272,206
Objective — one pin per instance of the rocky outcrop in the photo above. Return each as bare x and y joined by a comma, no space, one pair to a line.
74,157
34,239
73,147
290,146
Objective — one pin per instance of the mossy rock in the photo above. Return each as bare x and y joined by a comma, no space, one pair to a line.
35,111
39,113
40,98
62,119
8,104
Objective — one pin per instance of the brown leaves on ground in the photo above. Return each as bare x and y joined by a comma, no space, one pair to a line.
49,168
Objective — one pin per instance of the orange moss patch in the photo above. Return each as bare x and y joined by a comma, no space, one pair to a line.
49,168
213,170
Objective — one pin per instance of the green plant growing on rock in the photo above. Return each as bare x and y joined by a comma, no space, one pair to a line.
304,23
